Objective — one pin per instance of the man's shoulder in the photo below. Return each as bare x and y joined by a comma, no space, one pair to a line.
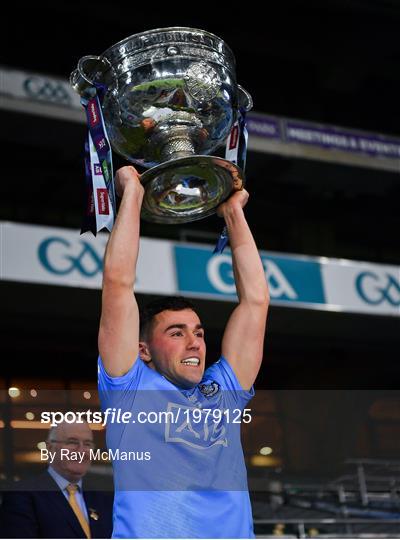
28,488
134,374
38,482
222,373
213,370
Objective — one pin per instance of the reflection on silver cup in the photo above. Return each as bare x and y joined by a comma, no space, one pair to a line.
171,101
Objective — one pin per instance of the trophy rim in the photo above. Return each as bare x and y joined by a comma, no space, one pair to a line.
120,43
211,161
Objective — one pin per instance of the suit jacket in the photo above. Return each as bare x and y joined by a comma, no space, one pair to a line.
40,510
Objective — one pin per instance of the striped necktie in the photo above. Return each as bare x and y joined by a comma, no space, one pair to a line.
72,489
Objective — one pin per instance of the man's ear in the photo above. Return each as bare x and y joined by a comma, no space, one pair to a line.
144,352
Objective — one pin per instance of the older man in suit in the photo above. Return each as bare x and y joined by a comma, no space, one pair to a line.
59,503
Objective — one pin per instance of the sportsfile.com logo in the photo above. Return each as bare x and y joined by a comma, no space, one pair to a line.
93,114
102,201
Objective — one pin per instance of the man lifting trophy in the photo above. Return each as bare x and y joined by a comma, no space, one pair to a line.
167,100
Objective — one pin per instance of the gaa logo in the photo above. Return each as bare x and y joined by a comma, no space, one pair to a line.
47,90
377,289
61,257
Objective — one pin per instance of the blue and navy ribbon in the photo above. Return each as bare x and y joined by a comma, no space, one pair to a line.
89,214
97,129
241,162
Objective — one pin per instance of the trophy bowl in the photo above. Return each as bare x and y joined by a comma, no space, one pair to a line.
171,100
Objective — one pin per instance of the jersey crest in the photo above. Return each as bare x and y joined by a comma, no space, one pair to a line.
209,389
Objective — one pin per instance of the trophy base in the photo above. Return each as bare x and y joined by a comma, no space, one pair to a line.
189,188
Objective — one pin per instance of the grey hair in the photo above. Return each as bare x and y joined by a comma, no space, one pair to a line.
52,434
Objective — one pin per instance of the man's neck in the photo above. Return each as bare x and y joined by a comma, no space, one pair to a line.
72,479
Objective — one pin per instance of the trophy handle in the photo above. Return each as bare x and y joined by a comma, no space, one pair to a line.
245,99
90,69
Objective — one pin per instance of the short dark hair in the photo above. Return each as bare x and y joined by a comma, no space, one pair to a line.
150,310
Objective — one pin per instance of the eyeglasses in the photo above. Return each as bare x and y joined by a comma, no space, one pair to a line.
75,443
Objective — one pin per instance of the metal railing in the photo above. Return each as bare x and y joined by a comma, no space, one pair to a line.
300,525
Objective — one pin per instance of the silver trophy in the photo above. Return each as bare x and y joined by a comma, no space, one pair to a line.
171,101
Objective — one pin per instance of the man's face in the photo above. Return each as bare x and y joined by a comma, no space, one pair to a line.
74,438
177,347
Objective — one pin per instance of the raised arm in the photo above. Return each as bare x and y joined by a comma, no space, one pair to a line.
243,340
119,323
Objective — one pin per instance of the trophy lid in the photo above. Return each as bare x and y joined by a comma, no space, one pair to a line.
151,46
162,43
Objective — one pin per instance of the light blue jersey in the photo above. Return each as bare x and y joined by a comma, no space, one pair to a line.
181,474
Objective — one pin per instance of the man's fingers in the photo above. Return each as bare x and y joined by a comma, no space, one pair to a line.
128,170
124,176
237,198
241,196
